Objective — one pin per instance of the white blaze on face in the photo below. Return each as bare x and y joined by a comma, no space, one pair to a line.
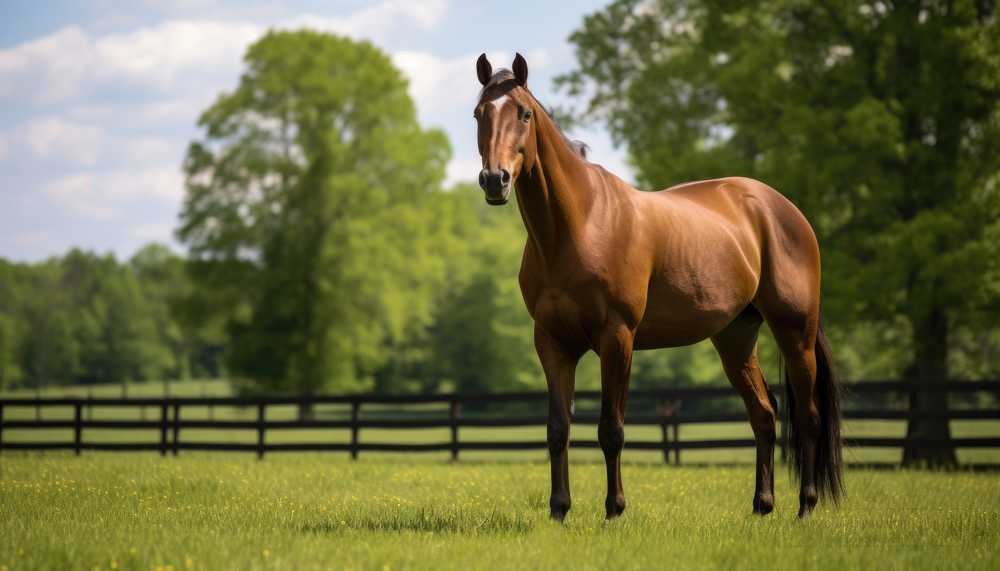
498,102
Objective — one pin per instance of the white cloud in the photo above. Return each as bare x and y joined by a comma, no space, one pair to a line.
167,55
175,56
51,138
378,22
160,231
172,56
48,69
102,195
52,141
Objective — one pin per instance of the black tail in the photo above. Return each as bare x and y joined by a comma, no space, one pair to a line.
829,388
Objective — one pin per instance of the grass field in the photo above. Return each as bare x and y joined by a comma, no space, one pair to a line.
314,511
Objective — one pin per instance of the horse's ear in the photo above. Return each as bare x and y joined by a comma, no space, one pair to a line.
520,69
484,70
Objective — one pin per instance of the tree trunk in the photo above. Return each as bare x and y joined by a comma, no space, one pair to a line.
930,346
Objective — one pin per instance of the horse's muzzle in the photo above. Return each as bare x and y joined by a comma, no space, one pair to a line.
496,185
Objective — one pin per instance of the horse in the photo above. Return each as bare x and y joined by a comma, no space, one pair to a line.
612,269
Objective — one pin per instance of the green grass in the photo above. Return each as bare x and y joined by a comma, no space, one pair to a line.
322,511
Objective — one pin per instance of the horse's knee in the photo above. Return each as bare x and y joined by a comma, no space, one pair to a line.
611,434
763,425
557,434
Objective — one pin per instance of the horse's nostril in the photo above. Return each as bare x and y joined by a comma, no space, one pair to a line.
504,177
482,179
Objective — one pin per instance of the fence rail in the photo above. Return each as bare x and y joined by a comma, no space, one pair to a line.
667,402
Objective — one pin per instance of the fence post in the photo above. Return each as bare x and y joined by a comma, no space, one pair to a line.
662,412
355,418
164,412
261,427
668,409
177,429
456,412
78,428
677,438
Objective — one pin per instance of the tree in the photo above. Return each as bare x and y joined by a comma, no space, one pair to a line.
300,197
880,121
162,278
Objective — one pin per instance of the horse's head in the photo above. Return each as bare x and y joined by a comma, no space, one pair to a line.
504,114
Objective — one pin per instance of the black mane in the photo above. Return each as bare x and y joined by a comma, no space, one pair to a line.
503,81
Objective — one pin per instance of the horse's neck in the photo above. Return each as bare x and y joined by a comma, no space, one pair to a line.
556,195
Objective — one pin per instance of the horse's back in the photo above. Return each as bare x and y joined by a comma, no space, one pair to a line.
750,207
724,243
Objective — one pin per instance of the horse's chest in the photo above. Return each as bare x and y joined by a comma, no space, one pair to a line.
567,317
574,308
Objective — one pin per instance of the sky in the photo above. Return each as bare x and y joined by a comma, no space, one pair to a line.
99,99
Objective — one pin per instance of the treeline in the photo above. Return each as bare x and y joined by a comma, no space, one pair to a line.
85,318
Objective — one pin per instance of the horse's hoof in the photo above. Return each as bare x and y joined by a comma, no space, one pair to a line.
763,506
613,507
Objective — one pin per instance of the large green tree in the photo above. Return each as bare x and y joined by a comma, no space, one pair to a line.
312,201
879,120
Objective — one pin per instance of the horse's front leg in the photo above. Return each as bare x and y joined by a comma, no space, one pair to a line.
560,375
616,365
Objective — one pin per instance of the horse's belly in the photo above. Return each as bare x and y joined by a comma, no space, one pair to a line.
672,329
679,313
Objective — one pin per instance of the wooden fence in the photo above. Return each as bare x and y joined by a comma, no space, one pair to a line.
662,408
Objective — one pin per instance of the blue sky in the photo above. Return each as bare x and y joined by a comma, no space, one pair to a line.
99,98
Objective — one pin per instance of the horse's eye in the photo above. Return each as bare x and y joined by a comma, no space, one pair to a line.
527,115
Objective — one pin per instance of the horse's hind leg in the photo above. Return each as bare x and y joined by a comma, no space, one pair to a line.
795,333
560,375
737,347
616,365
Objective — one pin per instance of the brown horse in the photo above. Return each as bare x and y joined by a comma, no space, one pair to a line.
611,269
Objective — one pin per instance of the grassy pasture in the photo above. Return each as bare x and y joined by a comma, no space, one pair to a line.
322,511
